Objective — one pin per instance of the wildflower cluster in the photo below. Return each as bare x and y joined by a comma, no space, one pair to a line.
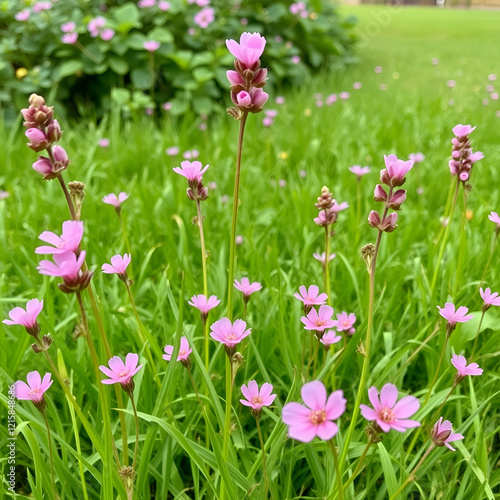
462,157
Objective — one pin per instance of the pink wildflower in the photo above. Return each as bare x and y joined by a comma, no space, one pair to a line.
321,257
184,352
69,241
387,413
396,170
205,17
120,372
345,322
103,143
26,318
68,27
229,334
39,6
330,338
463,369
151,46
34,390
442,434
164,6
495,218
107,34
489,298
249,50
315,418
116,201
319,320
192,170
459,316
311,296
173,151
256,398
359,170
66,265
23,15
416,157
203,304
462,130
247,288
118,266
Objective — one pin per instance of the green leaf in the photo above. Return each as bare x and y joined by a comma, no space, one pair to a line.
160,34
67,68
389,474
118,65
121,96
127,17
203,74
141,78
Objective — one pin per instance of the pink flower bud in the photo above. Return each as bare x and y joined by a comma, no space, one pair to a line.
390,221
243,99
259,97
54,131
455,142
397,199
374,219
60,154
260,78
43,166
38,140
464,176
379,194
455,154
454,166
235,78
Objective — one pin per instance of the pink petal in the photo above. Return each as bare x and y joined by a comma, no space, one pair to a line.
303,432
253,388
46,382
265,390
246,392
314,395
131,361
369,413
383,425
51,238
107,371
406,407
335,406
245,402
327,430
295,413
22,390
116,364
373,397
405,424
388,396
34,380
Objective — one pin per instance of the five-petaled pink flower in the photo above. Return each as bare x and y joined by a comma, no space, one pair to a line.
489,298
442,434
256,398
184,352
463,369
495,218
459,316
247,288
66,265
120,372
229,334
319,320
118,265
26,318
205,17
311,296
359,170
249,50
329,338
345,322
462,130
34,389
315,418
116,201
192,170
397,168
72,233
387,413
203,304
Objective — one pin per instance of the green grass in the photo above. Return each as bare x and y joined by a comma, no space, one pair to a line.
412,115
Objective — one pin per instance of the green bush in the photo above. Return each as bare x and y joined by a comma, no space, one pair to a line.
189,68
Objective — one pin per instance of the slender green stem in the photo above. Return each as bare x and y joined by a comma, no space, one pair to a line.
338,472
205,278
437,372
236,200
50,454
358,466
131,395
125,236
327,264
67,196
266,480
411,476
462,249
436,414
153,74
445,237
227,420
478,332
194,387
492,251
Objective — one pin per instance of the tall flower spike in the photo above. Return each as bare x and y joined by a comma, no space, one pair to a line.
462,157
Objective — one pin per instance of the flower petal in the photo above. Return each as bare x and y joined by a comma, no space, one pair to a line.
314,395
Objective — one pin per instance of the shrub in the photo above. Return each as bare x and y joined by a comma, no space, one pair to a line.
78,52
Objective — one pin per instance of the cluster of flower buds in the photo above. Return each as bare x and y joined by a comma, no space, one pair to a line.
193,171
43,132
249,78
328,208
393,176
462,156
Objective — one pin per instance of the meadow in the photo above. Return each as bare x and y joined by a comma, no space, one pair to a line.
406,106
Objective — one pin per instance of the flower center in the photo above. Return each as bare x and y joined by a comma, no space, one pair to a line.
346,323
317,416
319,322
257,400
181,353
386,415
35,391
123,373
230,336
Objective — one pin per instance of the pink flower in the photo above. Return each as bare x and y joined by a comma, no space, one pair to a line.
463,369
95,25
344,95
66,265
173,151
331,99
68,27
116,201
462,130
378,69
490,299
247,288
249,50
359,170
205,17
103,143
451,83
118,266
151,46
319,321
253,100
39,6
23,15
387,413
107,34
416,157
4,194
459,316
295,59
356,85
38,140
164,6
120,372
321,257
191,154
69,38
229,334
329,338
311,296
267,121
441,434
184,352
167,106
143,4
69,241
34,389
26,318
279,100
397,168
495,218
315,417
345,322
203,304
192,170
257,399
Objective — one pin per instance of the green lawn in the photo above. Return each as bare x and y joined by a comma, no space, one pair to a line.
279,237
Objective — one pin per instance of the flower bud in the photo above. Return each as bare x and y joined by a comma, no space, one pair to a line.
397,199
389,224
243,99
260,78
54,131
61,161
379,194
374,219
38,140
455,154
235,79
43,166
37,101
464,176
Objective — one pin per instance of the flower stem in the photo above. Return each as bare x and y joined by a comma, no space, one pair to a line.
227,420
437,372
477,334
205,278
67,196
125,238
131,395
462,249
492,251
232,245
50,454
327,264
337,470
194,387
358,466
436,414
266,480
88,338
411,476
